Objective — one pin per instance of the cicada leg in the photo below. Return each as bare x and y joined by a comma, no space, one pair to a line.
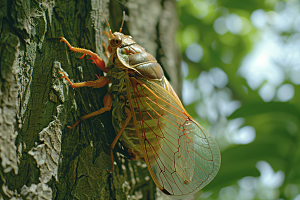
107,101
109,48
106,33
100,82
105,50
112,146
96,59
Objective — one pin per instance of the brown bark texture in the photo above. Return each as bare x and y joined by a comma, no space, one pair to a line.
40,157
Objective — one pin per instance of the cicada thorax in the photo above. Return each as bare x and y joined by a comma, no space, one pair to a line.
127,62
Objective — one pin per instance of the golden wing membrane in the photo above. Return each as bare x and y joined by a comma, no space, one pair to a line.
182,157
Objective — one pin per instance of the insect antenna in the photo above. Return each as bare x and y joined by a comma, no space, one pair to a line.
107,24
122,21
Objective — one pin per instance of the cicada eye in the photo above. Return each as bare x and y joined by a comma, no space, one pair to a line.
116,41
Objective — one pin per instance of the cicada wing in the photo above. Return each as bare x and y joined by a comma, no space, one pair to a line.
182,157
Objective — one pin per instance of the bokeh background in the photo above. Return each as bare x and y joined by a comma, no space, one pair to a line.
241,69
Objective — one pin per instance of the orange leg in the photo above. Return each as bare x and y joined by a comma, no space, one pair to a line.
96,59
105,50
106,33
100,82
107,101
112,146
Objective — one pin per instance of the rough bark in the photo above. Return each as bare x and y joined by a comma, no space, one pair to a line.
40,157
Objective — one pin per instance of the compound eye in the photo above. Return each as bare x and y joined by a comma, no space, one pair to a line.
116,41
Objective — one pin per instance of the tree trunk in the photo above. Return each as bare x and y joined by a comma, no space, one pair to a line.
40,157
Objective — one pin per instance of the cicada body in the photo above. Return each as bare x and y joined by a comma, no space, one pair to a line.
149,119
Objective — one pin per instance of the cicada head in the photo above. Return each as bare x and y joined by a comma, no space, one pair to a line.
120,40
115,40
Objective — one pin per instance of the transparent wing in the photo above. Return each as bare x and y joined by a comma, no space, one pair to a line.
182,157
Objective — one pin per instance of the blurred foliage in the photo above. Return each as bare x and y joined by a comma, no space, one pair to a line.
216,36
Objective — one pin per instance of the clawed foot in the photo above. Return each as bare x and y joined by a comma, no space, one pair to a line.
73,126
66,78
65,41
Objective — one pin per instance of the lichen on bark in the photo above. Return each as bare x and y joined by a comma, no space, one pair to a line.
9,45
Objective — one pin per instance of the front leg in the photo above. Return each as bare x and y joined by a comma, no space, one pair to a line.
100,82
96,59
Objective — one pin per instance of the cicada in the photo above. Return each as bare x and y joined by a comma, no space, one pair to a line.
149,119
